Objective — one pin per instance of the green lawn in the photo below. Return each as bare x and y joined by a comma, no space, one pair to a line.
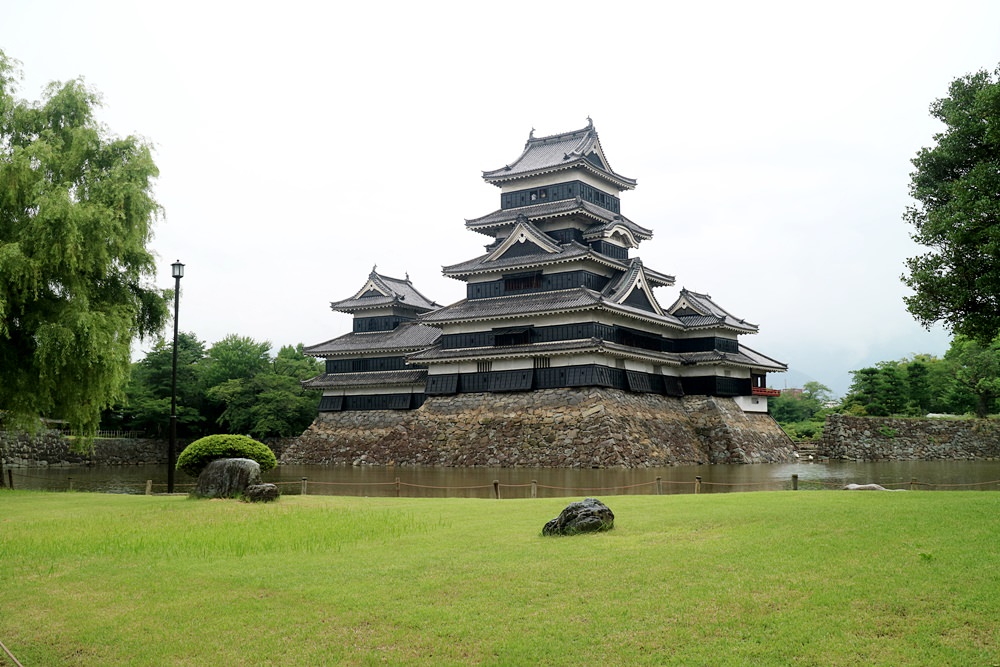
803,578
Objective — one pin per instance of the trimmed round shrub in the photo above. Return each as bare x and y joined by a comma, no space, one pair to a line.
203,451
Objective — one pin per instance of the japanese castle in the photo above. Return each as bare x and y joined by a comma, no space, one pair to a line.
558,300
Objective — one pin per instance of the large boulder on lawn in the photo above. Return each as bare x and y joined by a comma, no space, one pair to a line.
227,478
589,515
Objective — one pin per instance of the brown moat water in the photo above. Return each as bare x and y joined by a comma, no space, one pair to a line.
550,482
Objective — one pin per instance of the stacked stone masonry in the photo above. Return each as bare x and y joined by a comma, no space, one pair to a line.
885,439
571,428
52,448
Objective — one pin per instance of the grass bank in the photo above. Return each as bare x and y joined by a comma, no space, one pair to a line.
818,578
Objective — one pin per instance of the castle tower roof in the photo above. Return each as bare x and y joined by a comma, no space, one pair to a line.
579,149
381,291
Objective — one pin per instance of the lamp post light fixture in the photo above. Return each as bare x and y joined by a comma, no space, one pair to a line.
177,271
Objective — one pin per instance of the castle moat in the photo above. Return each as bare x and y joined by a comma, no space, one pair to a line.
417,481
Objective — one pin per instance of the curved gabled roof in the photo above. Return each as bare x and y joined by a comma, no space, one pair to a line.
407,337
698,311
634,279
602,218
568,252
541,303
579,149
380,291
745,357
376,379
437,355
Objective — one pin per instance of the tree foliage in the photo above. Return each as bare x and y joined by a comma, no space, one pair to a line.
801,413
76,214
272,402
147,407
234,386
977,372
966,380
203,451
957,217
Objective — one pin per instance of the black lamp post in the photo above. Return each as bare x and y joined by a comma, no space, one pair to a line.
177,270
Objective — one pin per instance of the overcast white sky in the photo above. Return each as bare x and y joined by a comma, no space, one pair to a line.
300,143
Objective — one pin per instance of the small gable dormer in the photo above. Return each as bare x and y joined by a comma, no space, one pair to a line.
383,303
700,311
525,239
634,289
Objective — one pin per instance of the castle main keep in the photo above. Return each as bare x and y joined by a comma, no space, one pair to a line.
561,354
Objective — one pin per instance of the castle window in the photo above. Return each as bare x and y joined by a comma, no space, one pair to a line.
542,362
512,336
484,366
522,282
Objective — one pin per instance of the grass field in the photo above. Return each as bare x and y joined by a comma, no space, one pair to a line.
783,578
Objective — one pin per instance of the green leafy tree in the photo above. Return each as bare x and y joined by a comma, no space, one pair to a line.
867,393
799,406
801,413
957,215
892,385
977,371
918,386
272,402
147,404
76,215
236,358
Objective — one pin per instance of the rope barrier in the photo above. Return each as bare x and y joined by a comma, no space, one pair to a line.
595,488
771,483
949,486
425,486
311,482
659,483
10,655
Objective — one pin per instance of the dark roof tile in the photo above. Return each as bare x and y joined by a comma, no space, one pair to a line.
557,152
407,337
372,379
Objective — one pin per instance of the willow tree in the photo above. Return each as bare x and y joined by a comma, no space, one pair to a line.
76,215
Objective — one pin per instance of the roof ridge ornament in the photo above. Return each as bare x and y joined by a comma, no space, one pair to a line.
590,122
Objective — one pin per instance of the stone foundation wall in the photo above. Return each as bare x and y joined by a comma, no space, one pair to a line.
569,428
885,439
52,448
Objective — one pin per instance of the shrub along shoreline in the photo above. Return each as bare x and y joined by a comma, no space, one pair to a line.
824,578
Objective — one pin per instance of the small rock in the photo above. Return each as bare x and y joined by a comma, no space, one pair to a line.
261,493
586,516
867,487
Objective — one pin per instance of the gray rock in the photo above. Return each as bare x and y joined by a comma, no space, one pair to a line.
586,516
227,478
261,493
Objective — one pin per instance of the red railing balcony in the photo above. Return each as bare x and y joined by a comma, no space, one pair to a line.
763,391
